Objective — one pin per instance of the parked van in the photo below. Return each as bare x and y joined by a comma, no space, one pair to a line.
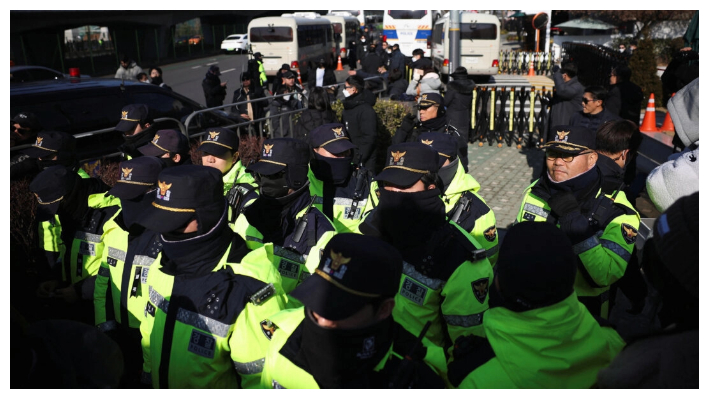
479,44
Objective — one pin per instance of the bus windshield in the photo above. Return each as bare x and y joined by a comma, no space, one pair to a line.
407,14
271,34
478,31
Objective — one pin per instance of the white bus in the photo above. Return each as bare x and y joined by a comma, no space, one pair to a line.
359,14
479,44
345,28
410,29
299,40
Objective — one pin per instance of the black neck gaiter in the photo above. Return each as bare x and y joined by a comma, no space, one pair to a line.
132,143
435,124
409,219
447,173
331,170
613,174
339,358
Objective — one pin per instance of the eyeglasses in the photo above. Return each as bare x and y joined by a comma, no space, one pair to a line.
553,155
586,100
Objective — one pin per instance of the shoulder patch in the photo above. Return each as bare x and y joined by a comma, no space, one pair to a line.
480,288
491,233
630,233
268,328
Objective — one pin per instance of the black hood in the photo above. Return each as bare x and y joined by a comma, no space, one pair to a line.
365,97
463,86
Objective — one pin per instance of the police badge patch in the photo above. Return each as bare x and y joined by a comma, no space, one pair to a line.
480,289
268,328
414,292
630,234
490,233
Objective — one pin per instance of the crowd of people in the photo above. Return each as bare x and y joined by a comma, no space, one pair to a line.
308,268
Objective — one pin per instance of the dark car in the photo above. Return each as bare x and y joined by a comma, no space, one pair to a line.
32,73
79,106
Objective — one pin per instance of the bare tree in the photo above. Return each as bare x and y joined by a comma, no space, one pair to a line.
644,20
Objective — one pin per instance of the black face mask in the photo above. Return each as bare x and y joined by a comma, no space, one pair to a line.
132,210
409,219
157,80
273,187
333,170
447,173
340,358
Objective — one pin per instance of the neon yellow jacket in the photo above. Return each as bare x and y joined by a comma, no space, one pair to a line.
280,372
201,331
343,204
476,218
238,172
558,346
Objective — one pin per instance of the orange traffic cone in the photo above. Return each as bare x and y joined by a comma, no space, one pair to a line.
667,125
339,64
531,68
649,125
301,82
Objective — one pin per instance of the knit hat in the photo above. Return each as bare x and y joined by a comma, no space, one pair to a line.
674,179
343,282
676,238
536,267
684,110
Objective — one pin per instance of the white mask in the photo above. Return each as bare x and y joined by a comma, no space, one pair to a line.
346,93
388,51
415,58
363,40
286,97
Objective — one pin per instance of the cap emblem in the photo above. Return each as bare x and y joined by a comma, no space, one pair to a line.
268,150
127,173
397,158
424,97
562,136
155,139
124,114
480,289
427,142
338,132
38,143
164,192
335,265
213,136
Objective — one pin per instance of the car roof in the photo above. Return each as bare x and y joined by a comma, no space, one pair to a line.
26,67
51,86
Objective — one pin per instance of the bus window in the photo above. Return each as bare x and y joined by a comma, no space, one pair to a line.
438,34
271,34
407,14
478,31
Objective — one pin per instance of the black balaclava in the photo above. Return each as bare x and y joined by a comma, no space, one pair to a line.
338,358
273,187
448,172
132,143
332,170
409,219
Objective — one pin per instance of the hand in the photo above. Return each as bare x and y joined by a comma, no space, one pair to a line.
46,289
351,73
245,116
555,69
223,84
68,294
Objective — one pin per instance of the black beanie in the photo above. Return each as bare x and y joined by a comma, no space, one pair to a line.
536,267
676,238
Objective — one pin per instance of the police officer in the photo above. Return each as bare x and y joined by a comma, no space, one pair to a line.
602,228
82,208
136,126
203,312
463,204
432,119
446,273
220,150
129,251
345,336
261,70
538,334
291,100
282,223
341,186
170,145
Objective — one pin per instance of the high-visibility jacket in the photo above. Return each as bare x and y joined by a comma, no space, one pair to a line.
122,277
604,256
471,212
558,346
204,330
238,175
262,73
347,212
281,373
295,261
246,189
449,288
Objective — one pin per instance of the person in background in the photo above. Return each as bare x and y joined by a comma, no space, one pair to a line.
128,69
360,120
396,85
384,52
321,76
362,47
263,80
617,144
143,78
537,333
278,80
248,91
567,98
458,102
156,78
624,97
318,113
397,60
214,89
425,80
291,99
594,113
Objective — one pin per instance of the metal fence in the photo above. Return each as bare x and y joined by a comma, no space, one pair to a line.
594,62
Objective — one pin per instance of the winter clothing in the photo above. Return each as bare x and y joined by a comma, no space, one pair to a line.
396,89
257,107
360,121
129,73
429,83
674,179
566,101
592,122
282,105
458,101
214,92
625,100
310,119
328,79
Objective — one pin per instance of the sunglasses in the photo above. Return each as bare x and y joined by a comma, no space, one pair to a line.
586,100
553,155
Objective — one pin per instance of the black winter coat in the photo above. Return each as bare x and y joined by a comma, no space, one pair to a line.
360,120
328,79
257,106
397,88
566,101
371,63
458,102
214,93
592,122
310,119
625,99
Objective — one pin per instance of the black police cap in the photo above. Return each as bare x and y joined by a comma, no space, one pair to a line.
50,187
354,270
137,176
277,154
51,143
131,116
165,141
572,139
407,163
332,136
444,144
219,140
